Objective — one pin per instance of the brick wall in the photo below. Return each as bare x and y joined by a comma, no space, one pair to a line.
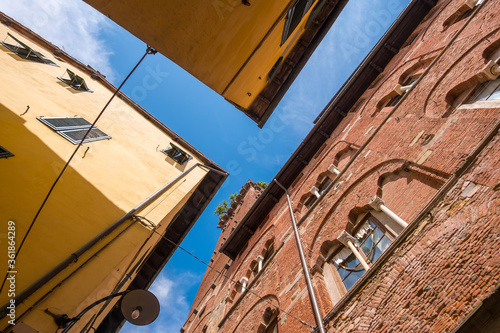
433,159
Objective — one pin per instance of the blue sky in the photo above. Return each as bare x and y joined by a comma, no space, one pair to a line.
204,118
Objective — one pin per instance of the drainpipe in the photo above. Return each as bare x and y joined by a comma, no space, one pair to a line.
310,289
22,296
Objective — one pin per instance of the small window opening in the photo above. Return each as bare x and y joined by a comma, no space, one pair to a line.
177,154
310,201
26,52
74,81
324,184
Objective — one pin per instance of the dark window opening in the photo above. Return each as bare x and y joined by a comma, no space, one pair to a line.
324,184
177,154
395,100
310,201
74,81
26,52
273,326
465,15
294,16
4,153
73,129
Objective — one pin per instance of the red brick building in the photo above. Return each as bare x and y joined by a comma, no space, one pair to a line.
395,193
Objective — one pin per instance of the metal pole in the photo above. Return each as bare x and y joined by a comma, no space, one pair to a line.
317,316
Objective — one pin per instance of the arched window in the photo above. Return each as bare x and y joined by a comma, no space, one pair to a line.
269,322
401,90
487,91
481,87
358,252
462,13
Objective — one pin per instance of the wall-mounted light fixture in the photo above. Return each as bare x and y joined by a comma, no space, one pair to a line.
139,307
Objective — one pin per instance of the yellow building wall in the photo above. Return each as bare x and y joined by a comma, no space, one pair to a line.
228,46
101,184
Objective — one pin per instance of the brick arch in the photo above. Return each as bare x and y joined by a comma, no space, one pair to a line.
324,251
400,189
267,318
337,218
441,11
254,251
253,318
267,246
343,156
385,180
340,159
201,323
451,18
417,68
300,208
462,90
442,96
246,265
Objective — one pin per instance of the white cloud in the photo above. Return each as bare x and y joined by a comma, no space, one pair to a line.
72,25
174,307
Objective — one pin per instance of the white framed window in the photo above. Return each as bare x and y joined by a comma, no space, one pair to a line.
73,129
372,239
24,51
488,91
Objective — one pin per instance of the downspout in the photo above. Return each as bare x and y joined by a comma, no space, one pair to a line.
21,297
312,296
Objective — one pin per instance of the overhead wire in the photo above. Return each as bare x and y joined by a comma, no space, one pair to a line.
148,222
149,50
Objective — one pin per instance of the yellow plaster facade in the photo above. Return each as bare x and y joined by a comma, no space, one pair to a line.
105,180
230,45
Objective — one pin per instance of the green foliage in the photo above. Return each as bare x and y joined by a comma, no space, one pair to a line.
221,209
262,184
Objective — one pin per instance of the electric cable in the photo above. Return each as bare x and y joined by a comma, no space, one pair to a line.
149,50
142,219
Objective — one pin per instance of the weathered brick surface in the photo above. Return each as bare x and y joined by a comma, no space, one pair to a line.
438,270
